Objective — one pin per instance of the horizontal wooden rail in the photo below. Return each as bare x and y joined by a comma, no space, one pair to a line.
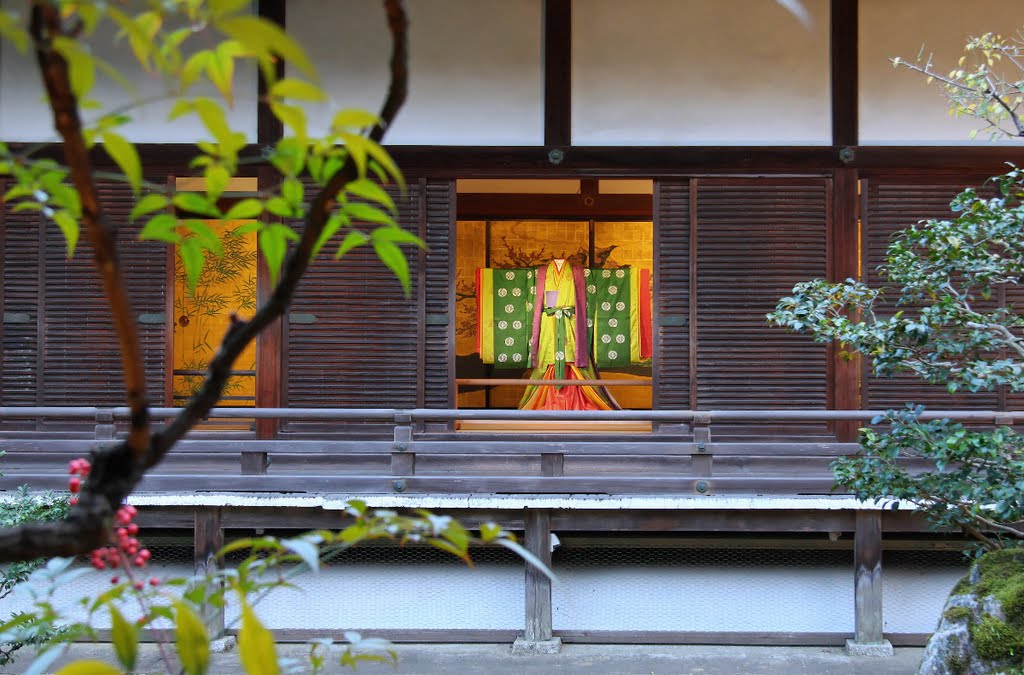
518,382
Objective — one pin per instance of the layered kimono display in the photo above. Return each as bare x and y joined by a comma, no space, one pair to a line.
563,321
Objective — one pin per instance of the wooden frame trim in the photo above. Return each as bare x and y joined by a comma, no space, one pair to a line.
692,292
844,82
485,206
269,129
844,232
453,205
269,347
421,295
557,39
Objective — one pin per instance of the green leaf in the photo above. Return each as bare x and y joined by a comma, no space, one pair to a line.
245,209
191,640
149,203
333,224
221,8
273,241
397,235
11,30
161,227
490,531
125,637
292,116
196,203
88,667
262,37
256,644
308,551
126,156
367,189
193,259
69,227
381,157
357,150
298,90
360,211
395,261
353,118
293,191
217,178
352,240
208,239
254,226
81,66
527,556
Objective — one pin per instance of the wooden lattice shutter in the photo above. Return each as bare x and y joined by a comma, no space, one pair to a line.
671,370
893,204
755,240
353,339
81,362
59,344
22,289
439,275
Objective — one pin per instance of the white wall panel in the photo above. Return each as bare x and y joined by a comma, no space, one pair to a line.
475,73
898,107
25,117
696,72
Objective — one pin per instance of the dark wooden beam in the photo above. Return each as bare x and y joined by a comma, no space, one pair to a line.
269,129
481,206
557,72
844,76
844,263
635,161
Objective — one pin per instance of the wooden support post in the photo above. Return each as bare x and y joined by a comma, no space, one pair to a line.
403,460
537,638
702,459
844,263
867,585
209,539
105,429
552,464
255,462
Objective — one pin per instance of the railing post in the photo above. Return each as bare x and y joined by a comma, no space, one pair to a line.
209,539
105,429
701,460
537,638
403,460
867,587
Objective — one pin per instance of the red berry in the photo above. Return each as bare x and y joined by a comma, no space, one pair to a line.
132,528
145,554
139,561
153,581
75,484
114,580
138,585
73,501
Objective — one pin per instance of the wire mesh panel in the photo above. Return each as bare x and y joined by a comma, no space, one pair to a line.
387,587
915,585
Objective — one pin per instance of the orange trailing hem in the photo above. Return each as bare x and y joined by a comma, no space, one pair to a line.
579,397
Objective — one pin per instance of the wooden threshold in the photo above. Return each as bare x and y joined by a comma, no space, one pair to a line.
516,426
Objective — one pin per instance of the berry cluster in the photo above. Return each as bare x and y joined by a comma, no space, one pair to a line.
124,549
79,469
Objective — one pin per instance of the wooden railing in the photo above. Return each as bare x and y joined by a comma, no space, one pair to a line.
682,456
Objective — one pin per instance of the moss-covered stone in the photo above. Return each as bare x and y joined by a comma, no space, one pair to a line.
958,613
995,640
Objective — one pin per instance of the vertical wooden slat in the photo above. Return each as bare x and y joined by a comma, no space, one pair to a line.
538,585
843,17
844,264
557,32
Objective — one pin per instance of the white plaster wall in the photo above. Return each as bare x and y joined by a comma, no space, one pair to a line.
475,73
25,117
898,107
698,72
